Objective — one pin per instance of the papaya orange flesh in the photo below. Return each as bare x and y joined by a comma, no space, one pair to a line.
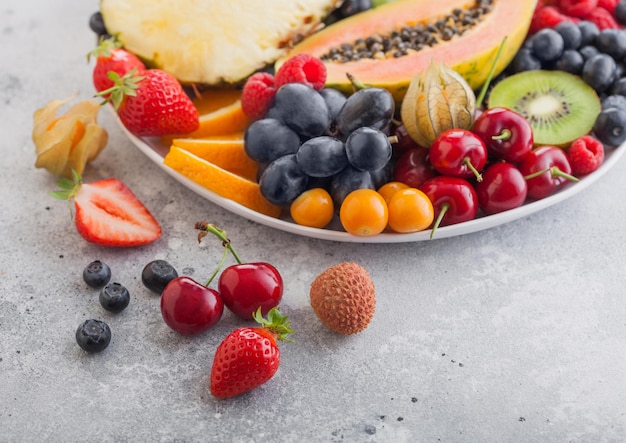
470,53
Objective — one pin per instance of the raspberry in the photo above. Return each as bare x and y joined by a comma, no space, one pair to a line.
602,18
585,155
258,95
302,68
547,17
578,8
609,5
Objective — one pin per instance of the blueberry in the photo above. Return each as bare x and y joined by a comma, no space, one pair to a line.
303,109
614,101
572,36
547,45
368,149
267,139
620,12
589,31
96,24
334,101
588,51
599,72
97,274
610,126
619,87
373,107
283,180
114,297
525,61
93,335
351,7
157,274
612,42
348,180
571,61
322,156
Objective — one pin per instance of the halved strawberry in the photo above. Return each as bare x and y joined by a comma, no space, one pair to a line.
108,213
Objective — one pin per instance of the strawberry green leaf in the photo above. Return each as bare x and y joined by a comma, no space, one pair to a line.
104,48
123,86
276,323
65,183
68,188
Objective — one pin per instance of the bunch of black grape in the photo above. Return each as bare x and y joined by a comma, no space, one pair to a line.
311,138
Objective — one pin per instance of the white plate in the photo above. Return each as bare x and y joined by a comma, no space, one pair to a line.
156,151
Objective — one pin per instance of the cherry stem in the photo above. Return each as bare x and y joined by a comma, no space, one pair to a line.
217,269
504,135
205,228
468,163
554,172
444,209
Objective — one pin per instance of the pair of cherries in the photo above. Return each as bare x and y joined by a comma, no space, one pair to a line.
190,308
517,172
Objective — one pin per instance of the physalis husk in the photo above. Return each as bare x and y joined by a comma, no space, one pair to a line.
438,99
67,142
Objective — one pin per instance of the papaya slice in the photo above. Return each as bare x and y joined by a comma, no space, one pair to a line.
388,45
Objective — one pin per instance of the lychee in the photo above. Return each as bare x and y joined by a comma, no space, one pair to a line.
343,298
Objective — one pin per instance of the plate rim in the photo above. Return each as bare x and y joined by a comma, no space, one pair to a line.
612,156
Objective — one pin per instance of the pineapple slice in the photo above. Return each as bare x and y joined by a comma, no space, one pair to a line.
212,41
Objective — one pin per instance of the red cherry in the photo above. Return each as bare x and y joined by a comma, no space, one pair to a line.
546,169
413,168
458,153
190,308
454,200
507,134
405,142
503,188
248,286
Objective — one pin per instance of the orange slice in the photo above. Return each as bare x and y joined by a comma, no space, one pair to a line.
219,180
210,100
220,114
227,153
225,120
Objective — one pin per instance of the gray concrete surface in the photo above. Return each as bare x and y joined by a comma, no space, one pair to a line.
516,333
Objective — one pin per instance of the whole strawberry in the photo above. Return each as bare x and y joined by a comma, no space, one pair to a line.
111,57
108,213
249,356
152,104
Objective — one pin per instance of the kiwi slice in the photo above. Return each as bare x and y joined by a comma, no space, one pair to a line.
559,106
